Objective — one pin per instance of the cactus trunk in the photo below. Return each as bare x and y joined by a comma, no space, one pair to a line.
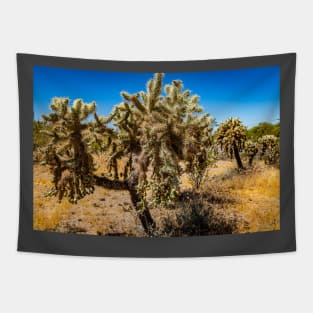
131,184
143,212
251,160
140,205
237,156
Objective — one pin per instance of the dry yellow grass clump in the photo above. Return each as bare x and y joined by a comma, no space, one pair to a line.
255,194
252,196
101,213
258,200
47,212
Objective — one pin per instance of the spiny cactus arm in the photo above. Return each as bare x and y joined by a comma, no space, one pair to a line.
154,90
134,100
102,121
54,135
87,109
59,106
122,118
52,117
159,117
63,149
164,109
49,133
131,131
172,93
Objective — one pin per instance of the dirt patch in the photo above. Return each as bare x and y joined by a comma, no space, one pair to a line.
228,202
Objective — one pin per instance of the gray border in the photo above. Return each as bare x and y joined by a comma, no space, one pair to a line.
217,245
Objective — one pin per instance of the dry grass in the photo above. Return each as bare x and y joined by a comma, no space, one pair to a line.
105,212
256,195
47,212
251,197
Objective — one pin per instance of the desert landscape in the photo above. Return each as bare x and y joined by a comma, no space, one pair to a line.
158,165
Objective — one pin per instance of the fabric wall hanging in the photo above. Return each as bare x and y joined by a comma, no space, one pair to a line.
156,159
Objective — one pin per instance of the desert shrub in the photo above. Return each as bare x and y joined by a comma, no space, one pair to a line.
251,150
198,150
197,217
269,146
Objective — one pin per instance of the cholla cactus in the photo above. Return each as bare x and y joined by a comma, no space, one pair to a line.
165,129
39,140
67,153
159,131
198,149
154,131
231,136
251,149
269,149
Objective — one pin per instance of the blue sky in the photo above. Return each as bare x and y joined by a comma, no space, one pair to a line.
250,94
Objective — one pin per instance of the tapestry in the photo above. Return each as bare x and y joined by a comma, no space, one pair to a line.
156,159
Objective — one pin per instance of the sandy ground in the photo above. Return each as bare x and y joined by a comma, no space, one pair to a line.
253,197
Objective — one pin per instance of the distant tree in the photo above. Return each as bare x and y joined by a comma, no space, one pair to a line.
276,130
231,136
263,129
